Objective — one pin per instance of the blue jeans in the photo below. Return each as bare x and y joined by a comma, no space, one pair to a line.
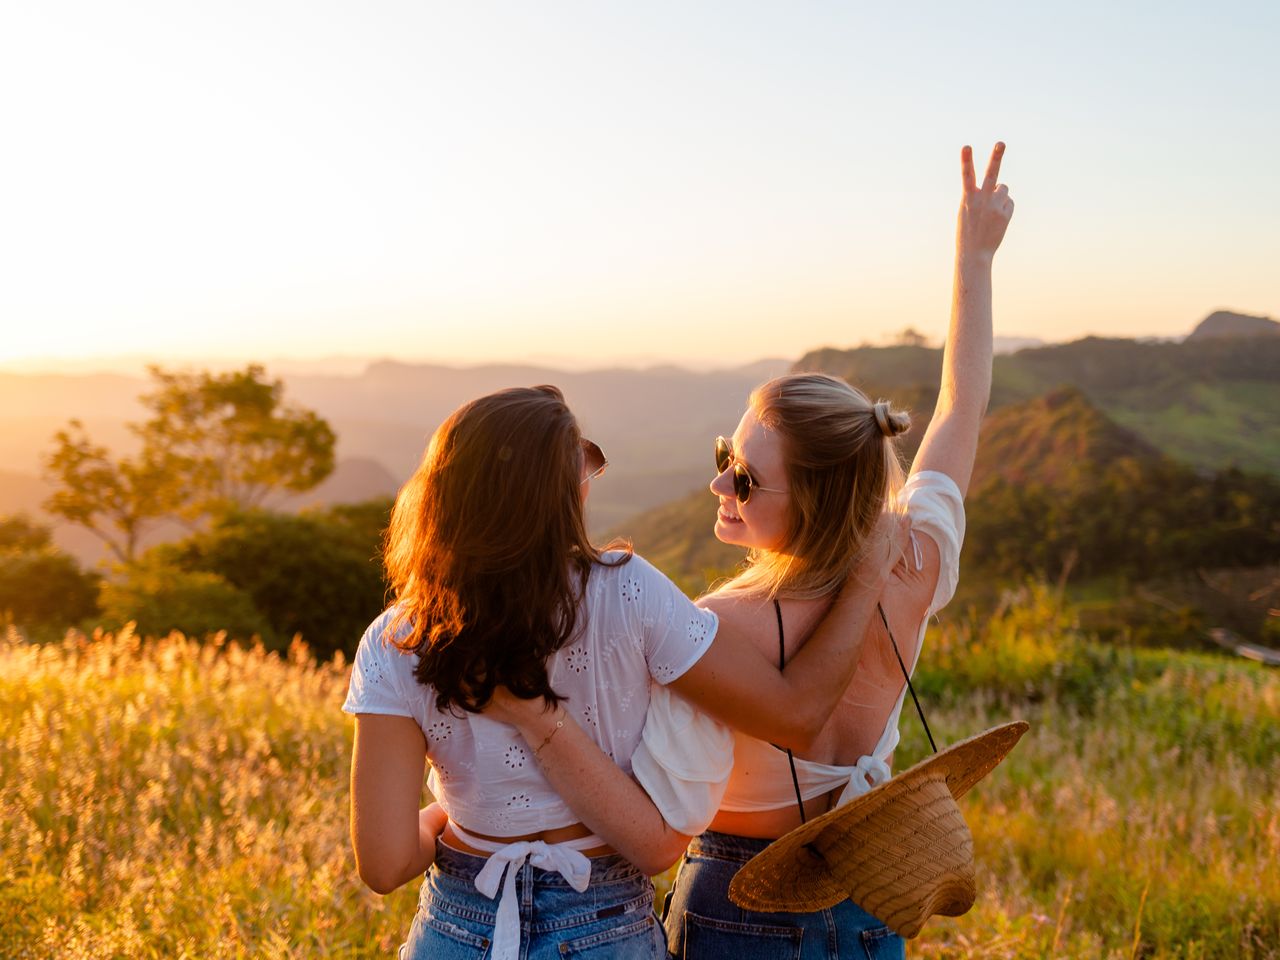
701,922
612,918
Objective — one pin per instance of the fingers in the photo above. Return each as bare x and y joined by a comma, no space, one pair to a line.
1003,202
966,170
993,167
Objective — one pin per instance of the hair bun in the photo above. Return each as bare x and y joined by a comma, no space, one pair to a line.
890,422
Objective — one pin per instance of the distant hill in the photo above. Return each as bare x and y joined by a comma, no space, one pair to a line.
352,481
1211,403
1051,440
1223,323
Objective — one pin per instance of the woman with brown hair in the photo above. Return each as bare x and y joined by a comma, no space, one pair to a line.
498,587
809,470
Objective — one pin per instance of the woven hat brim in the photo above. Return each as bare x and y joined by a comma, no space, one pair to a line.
792,875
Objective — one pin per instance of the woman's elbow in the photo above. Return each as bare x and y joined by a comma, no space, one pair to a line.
378,876
380,883
661,857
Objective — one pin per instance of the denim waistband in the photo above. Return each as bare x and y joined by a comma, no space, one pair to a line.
726,846
464,866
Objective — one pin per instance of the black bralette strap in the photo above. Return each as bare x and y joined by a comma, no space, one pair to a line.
782,662
906,676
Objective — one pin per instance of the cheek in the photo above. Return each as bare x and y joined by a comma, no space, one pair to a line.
770,524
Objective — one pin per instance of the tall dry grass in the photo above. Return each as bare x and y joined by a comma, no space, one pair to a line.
177,799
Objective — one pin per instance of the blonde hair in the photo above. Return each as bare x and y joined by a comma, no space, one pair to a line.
842,468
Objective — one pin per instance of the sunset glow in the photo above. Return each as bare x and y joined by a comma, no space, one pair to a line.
709,184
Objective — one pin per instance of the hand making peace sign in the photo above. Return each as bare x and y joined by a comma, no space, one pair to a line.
985,210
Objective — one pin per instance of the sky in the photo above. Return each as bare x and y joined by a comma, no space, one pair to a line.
597,182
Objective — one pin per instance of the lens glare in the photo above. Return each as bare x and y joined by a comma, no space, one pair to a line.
724,452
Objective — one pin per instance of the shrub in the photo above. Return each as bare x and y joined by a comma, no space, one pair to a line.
316,574
161,598
40,586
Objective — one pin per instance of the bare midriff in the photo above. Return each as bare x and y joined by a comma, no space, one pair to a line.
771,824
556,835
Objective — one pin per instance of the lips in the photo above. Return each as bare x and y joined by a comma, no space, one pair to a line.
725,517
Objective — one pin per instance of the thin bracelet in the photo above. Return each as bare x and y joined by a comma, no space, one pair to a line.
559,724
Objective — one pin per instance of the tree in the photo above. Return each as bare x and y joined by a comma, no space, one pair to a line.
317,573
214,443
116,500
232,440
159,598
911,337
40,586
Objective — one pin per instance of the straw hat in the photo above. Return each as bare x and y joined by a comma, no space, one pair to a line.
901,851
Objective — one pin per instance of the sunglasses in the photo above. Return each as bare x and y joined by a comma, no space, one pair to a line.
593,460
743,482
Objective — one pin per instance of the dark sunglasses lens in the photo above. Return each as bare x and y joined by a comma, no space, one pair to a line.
592,458
723,454
741,483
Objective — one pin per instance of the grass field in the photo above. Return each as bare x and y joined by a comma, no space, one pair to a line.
177,799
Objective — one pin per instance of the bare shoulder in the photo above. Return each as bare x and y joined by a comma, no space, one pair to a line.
743,619
911,586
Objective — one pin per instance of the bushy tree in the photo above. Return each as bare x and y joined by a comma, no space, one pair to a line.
160,597
232,439
317,574
214,443
40,586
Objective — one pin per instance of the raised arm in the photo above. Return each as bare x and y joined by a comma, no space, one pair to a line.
951,442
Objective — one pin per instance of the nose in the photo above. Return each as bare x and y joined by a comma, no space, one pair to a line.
722,485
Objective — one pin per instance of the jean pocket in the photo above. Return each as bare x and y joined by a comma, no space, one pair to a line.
881,943
633,941
434,937
709,937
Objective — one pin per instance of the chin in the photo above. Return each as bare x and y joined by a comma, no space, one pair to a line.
731,534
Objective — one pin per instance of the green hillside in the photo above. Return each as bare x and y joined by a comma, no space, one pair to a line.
1210,403
1053,440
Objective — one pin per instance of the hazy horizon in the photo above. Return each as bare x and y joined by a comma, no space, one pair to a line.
355,364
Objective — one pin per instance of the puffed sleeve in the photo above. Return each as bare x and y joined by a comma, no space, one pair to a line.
683,761
676,633
376,684
936,508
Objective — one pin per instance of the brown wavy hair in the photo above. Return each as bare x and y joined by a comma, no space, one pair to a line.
487,551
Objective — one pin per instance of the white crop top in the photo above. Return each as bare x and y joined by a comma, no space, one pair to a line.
636,627
692,765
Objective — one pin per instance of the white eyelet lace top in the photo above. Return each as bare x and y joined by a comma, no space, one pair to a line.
636,628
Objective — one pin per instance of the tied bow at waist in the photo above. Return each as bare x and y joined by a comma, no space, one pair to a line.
505,861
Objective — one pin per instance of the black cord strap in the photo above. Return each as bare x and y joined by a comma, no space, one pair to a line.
782,662
795,779
907,676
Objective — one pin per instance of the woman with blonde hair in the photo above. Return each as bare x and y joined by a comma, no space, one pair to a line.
810,469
